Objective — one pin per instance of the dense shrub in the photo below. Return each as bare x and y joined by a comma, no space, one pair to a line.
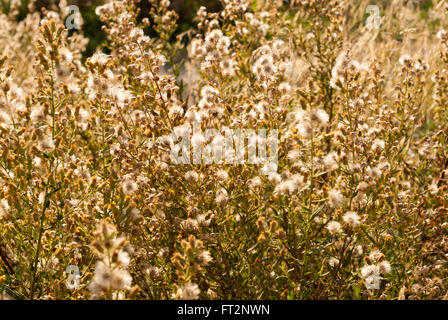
355,209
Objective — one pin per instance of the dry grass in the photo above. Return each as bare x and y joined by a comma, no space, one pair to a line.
357,208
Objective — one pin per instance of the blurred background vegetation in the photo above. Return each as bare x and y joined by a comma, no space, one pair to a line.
186,10
92,26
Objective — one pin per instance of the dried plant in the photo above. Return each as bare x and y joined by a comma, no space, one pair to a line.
354,208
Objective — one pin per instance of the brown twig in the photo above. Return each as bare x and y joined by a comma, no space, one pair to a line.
5,259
